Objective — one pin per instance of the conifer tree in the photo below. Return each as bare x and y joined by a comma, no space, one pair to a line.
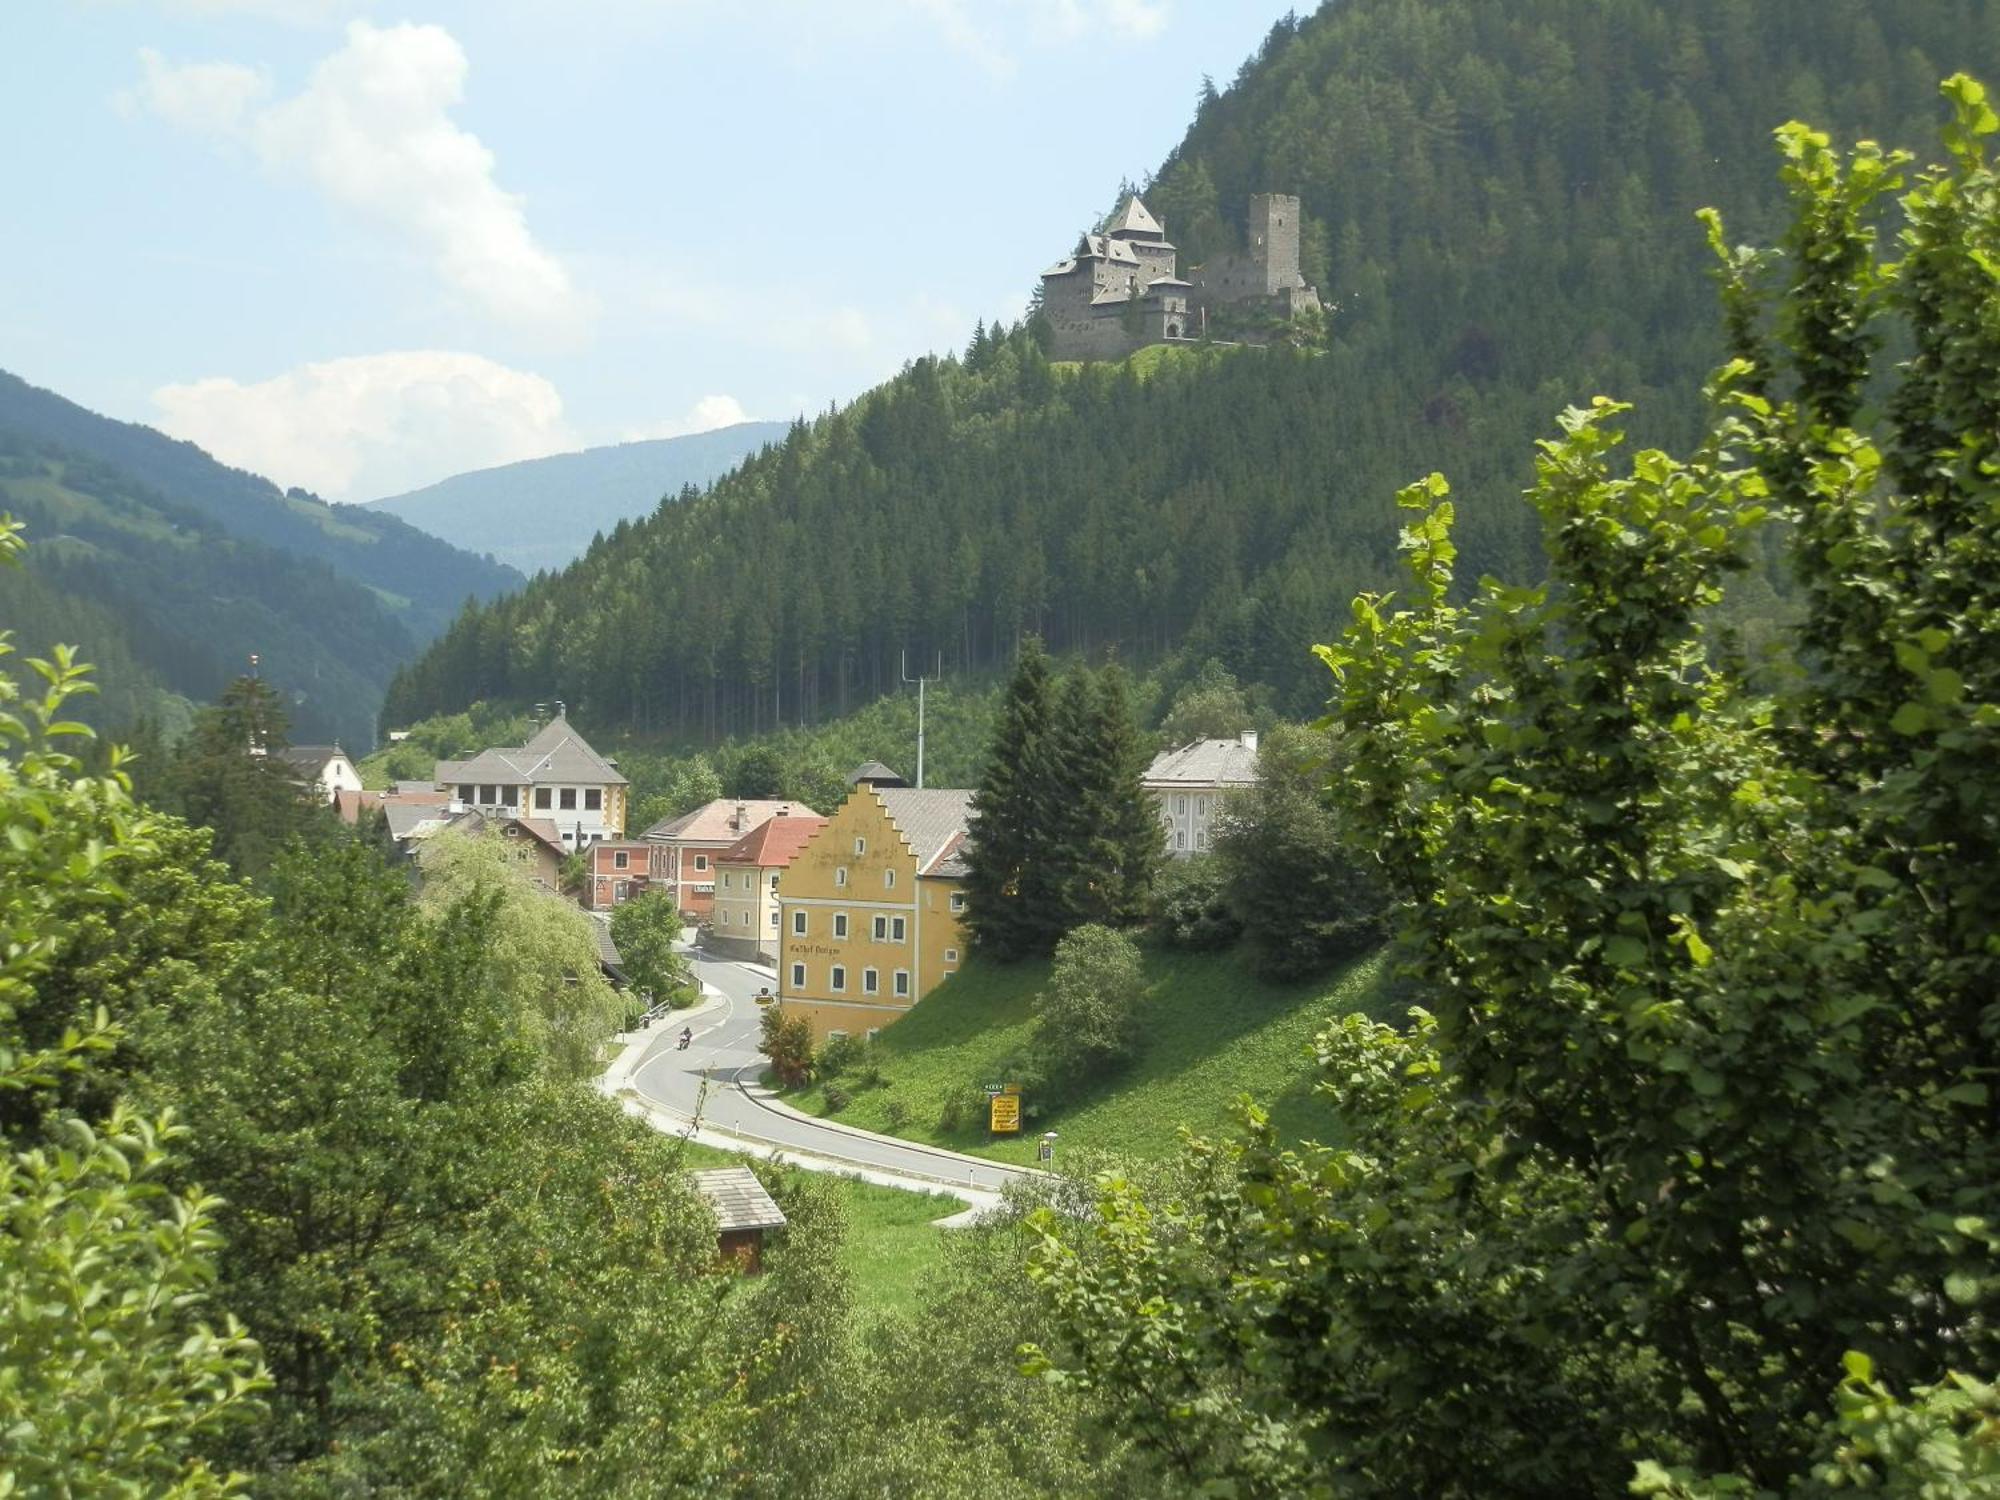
1007,808
1131,826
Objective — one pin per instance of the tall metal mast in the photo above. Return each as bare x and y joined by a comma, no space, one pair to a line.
920,680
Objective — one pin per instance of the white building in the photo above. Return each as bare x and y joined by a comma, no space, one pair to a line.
556,776
325,768
1189,785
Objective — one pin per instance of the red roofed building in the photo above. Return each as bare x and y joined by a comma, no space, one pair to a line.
746,885
684,849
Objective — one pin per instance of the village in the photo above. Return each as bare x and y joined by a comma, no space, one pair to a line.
856,913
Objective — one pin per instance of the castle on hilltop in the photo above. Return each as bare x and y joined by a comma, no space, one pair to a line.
1121,290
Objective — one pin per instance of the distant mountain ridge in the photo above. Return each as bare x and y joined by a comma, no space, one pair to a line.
421,580
541,513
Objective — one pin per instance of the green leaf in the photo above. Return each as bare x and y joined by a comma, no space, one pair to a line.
1911,718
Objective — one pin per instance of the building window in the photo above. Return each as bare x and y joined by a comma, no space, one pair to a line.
871,982
593,800
840,876
950,956
1180,838
798,976
1201,839
774,882
510,796
958,901
567,799
861,846
541,799
799,922
464,792
722,917
621,860
1180,807
896,929
701,861
840,924
837,979
903,983
1201,807
774,919
888,880
486,796
881,928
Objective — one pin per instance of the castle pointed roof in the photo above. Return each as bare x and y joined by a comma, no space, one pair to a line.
1135,222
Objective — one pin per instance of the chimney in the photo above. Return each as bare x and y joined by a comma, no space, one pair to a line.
1249,739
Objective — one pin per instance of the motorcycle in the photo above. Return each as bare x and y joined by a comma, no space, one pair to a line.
682,1044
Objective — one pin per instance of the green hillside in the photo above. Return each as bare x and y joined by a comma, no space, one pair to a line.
1499,205
169,606
543,512
421,580
1212,1033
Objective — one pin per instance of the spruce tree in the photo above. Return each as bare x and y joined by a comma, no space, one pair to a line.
1007,809
1130,823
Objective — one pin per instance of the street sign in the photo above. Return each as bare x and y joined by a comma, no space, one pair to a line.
1005,1114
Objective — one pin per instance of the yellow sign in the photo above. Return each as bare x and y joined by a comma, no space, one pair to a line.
1005,1114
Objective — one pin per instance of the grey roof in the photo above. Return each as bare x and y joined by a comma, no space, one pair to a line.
415,788
556,753
931,821
1135,220
1062,267
406,819
309,758
1168,281
607,950
1099,247
874,771
738,1198
950,863
1205,763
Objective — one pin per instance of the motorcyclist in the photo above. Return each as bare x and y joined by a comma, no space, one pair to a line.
687,1035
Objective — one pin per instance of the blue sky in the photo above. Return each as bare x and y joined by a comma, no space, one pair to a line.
360,246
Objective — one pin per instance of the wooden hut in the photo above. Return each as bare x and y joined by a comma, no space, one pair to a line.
743,1212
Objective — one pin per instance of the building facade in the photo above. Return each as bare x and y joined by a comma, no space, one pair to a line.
323,769
746,914
682,851
556,776
1121,290
1189,785
870,910
619,870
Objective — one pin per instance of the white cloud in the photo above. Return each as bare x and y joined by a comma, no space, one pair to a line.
207,98
371,425
707,414
372,130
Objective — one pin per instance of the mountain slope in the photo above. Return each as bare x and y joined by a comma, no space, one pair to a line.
423,581
168,606
542,513
1499,206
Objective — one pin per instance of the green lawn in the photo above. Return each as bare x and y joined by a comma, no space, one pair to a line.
890,1239
1211,1033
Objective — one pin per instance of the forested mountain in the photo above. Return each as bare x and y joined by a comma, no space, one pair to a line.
168,605
543,512
1499,204
420,579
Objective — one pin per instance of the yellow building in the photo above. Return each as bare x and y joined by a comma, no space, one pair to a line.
871,909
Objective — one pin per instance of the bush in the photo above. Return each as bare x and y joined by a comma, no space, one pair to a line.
1087,1019
964,1107
898,1115
1191,907
837,1098
839,1055
788,1043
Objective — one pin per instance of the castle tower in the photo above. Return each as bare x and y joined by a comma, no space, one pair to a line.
1273,233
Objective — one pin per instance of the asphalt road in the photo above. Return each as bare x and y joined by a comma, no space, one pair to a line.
706,1082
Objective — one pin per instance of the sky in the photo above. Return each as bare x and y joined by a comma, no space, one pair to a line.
360,246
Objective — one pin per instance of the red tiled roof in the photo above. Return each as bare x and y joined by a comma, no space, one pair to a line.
717,822
349,804
775,843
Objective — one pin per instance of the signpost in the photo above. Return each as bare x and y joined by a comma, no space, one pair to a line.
1004,1109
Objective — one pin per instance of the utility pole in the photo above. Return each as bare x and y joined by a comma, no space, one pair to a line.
920,680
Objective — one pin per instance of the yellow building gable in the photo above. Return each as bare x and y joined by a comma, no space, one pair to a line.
865,932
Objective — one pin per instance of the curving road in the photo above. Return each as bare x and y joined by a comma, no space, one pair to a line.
714,1084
